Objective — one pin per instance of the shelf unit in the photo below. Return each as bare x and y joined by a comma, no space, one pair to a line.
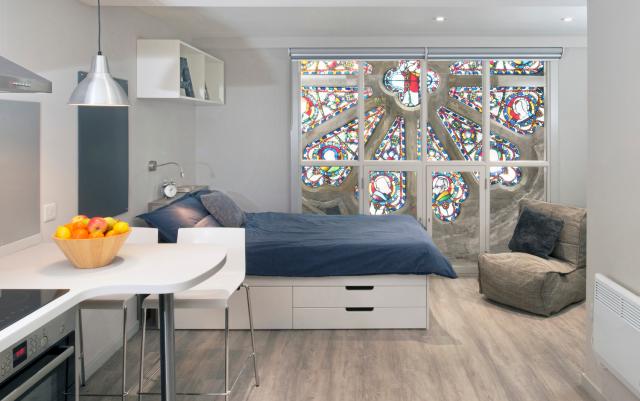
159,72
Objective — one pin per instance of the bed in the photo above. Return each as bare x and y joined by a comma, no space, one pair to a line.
327,272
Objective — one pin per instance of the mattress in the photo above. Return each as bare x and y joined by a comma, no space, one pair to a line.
307,245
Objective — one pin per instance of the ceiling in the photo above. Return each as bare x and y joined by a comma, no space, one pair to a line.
215,19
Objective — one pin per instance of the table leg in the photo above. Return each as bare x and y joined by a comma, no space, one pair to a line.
167,348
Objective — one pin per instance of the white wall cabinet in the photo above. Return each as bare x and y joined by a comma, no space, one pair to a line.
159,72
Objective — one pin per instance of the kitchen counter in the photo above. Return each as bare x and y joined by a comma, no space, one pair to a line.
139,269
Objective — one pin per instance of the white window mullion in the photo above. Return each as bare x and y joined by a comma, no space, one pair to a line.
424,204
485,210
296,143
362,180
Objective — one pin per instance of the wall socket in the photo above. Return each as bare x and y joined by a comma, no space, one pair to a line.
50,211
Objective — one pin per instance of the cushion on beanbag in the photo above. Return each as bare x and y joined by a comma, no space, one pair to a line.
536,233
223,209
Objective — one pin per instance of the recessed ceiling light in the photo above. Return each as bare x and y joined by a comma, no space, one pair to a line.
566,19
440,19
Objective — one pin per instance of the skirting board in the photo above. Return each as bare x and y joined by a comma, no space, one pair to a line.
591,389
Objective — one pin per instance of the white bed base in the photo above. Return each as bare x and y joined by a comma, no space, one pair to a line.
352,302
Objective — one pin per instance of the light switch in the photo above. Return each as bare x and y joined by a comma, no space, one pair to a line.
50,212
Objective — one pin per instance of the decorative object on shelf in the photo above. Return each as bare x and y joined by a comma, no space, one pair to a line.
185,78
159,71
99,88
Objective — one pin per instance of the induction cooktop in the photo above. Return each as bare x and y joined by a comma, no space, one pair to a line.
16,304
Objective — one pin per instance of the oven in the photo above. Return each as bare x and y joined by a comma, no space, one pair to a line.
48,378
41,366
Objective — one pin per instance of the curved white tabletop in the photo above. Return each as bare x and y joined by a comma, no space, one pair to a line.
139,269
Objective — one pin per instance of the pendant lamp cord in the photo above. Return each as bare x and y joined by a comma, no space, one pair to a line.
99,31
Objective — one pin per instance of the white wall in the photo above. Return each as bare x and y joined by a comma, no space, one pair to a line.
569,155
613,227
56,39
246,142
243,146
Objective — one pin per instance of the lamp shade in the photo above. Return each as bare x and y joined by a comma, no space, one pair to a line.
99,88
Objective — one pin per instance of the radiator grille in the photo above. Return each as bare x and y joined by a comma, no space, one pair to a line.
619,304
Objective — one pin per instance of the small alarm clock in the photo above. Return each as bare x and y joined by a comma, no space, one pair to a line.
169,189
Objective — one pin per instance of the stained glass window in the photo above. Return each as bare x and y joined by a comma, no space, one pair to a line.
449,192
404,80
498,67
315,177
446,208
518,108
516,67
387,191
393,146
320,103
466,67
342,143
332,67
467,136
435,150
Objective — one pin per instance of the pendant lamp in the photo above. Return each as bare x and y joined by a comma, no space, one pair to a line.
99,88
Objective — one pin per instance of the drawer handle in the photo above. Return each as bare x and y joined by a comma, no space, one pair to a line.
359,287
359,309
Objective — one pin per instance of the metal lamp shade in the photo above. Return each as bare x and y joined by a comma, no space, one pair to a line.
99,88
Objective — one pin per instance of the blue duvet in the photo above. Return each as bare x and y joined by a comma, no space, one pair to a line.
306,245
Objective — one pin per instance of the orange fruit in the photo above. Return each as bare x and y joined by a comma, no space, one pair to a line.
80,233
69,226
78,225
63,232
96,234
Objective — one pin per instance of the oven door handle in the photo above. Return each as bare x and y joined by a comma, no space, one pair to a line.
39,375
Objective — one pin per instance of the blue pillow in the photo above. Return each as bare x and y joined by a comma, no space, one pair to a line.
185,212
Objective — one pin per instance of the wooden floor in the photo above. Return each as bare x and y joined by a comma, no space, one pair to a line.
474,350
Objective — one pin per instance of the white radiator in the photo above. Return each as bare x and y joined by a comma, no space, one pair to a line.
616,331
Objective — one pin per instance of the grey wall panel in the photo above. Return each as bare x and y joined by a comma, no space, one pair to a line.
19,170
103,159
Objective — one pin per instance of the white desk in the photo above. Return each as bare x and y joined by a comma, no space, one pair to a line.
140,269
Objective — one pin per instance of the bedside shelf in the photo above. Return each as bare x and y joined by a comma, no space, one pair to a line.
159,72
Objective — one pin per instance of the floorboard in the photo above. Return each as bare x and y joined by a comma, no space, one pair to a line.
475,351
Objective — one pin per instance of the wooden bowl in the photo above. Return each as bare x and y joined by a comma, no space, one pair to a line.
93,252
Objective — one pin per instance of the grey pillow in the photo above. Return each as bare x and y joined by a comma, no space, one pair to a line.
536,233
223,209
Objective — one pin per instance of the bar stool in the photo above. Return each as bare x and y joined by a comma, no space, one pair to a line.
212,294
139,235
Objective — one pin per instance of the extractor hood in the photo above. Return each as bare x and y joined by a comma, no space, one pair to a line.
17,79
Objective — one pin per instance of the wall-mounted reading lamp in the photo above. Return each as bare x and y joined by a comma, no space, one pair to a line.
153,166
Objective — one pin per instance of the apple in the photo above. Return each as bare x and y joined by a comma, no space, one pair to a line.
111,222
97,224
78,218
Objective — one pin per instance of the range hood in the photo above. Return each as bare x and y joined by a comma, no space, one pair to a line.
17,79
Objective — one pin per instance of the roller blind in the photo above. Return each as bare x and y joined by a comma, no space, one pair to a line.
368,53
537,53
433,53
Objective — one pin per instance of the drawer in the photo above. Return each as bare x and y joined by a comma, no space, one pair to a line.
271,310
361,295
359,318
